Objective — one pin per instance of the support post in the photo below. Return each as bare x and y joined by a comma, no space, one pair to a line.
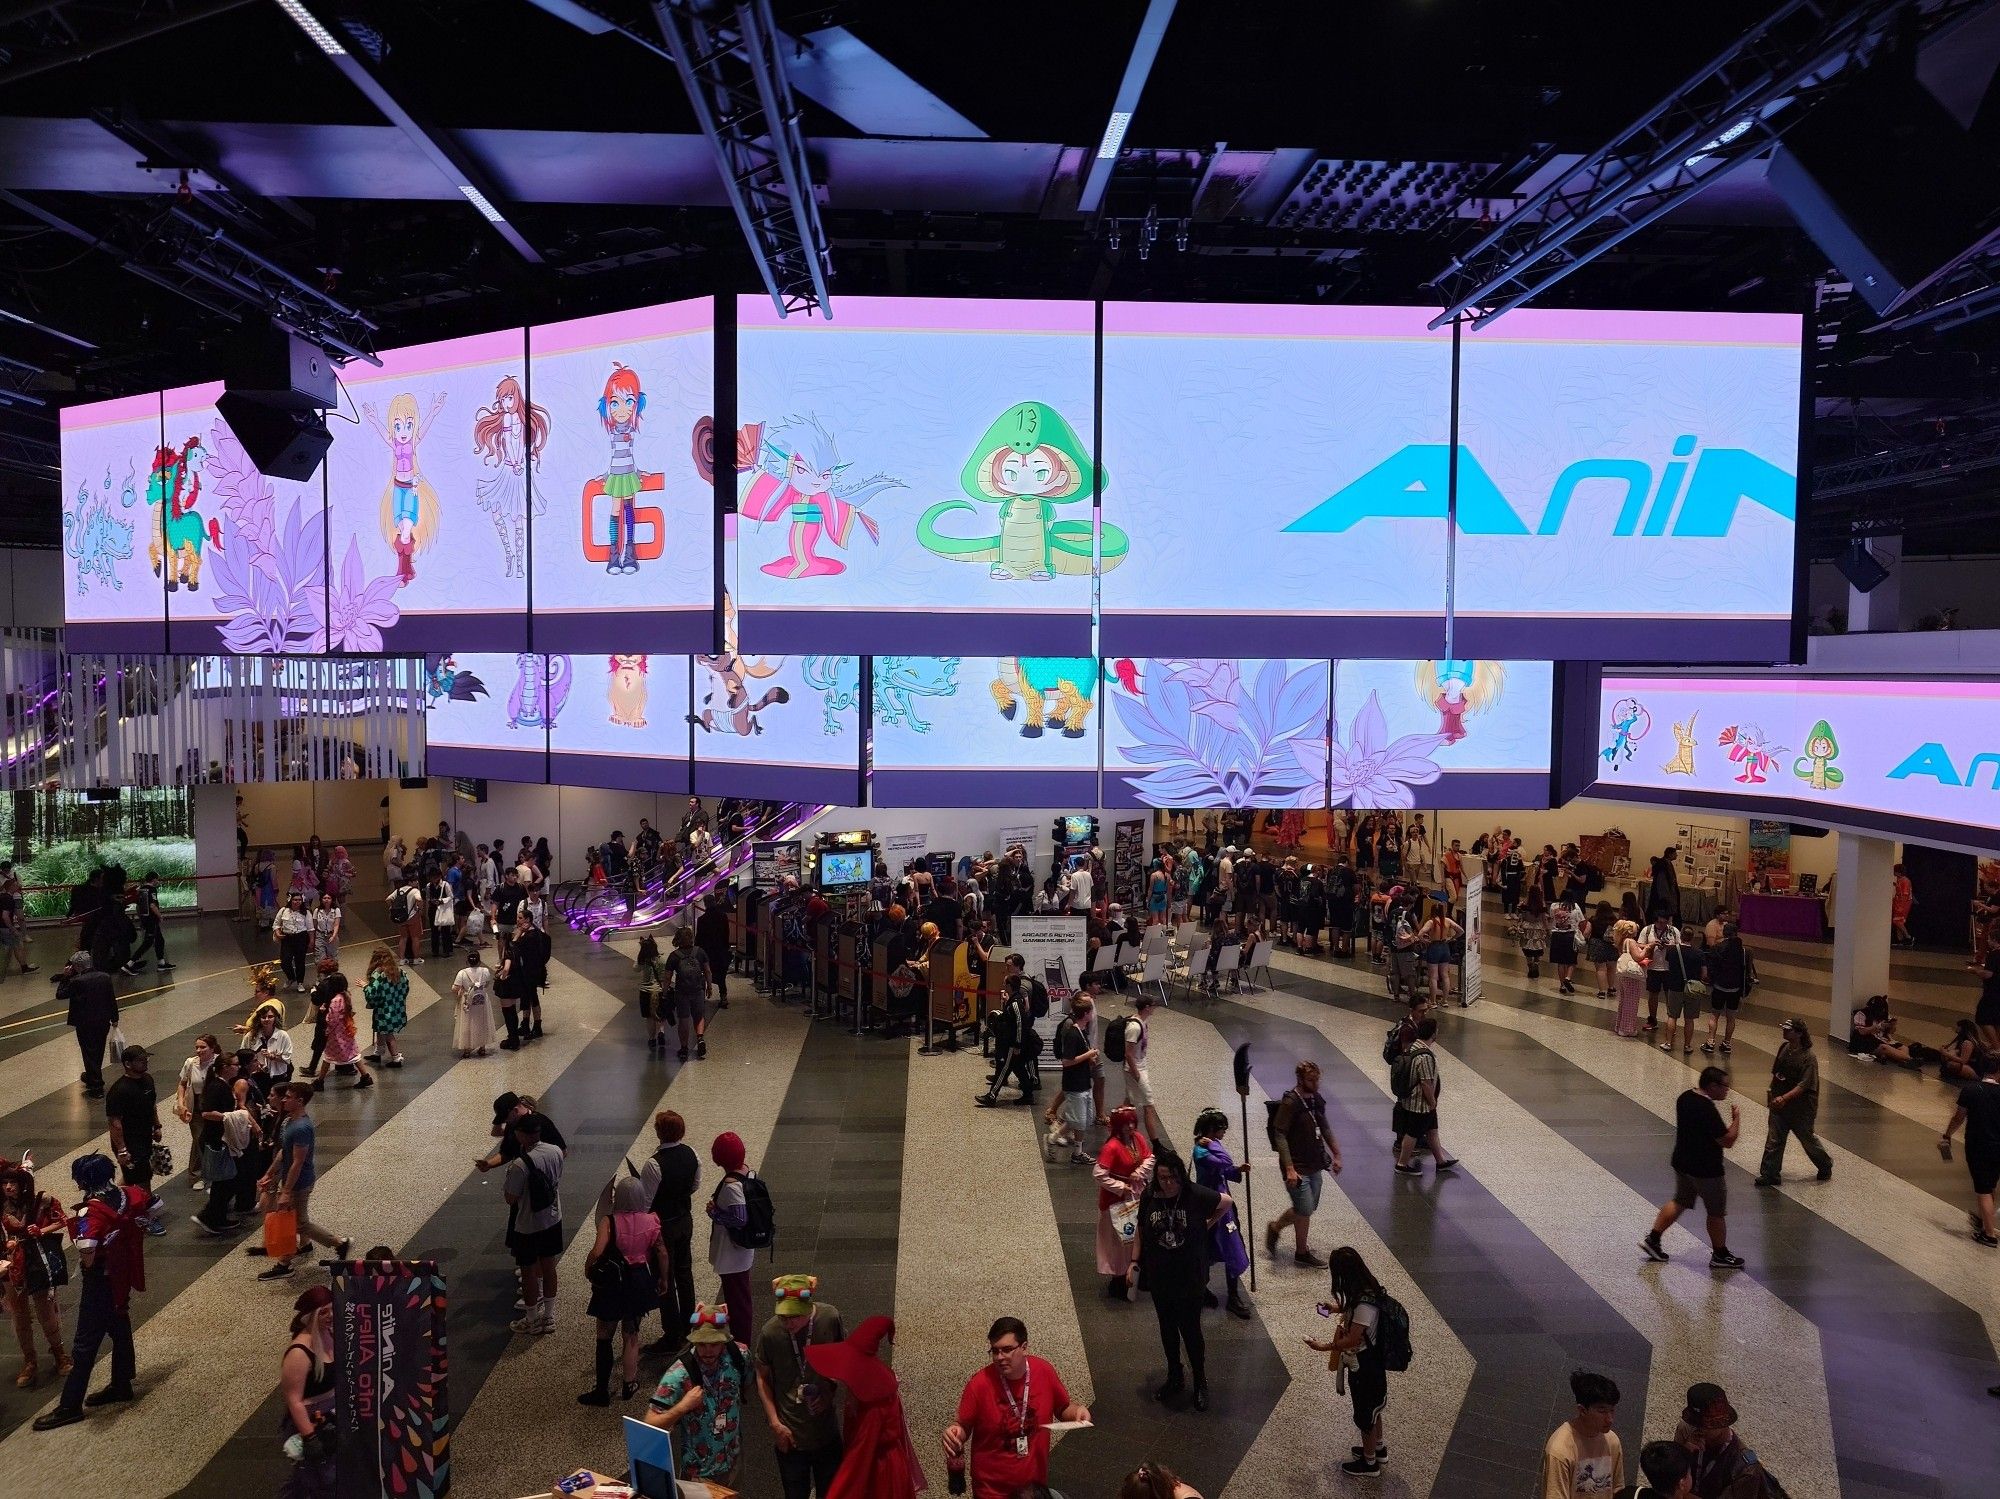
1863,883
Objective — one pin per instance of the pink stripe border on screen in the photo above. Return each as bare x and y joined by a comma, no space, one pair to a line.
1843,687
928,315
184,398
662,320
1269,320
109,413
505,346
1596,325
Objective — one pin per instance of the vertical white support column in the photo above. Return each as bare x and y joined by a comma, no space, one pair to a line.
215,846
1861,939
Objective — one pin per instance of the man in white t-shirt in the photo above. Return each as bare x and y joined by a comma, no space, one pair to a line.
534,1191
1080,887
1583,1458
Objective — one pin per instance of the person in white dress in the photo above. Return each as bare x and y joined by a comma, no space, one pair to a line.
472,1029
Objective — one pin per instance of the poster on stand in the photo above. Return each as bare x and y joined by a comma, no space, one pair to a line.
1770,854
1128,862
901,850
771,862
391,1416
1055,949
1472,974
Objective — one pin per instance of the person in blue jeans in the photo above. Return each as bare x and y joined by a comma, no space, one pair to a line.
110,1233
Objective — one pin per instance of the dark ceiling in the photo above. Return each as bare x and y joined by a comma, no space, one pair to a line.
950,142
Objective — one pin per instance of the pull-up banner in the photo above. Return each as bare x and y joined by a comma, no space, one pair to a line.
391,1415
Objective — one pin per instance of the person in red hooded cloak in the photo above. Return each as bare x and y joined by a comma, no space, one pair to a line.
879,1462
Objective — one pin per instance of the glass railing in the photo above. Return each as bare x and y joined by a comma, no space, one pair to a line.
664,896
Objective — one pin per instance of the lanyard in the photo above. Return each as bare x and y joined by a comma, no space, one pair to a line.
799,1341
1019,1410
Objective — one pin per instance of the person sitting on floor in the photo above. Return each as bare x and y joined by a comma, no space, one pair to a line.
1873,1034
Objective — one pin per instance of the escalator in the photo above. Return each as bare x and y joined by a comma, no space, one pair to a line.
601,910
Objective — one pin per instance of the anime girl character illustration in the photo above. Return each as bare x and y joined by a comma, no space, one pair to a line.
1750,747
800,475
510,435
1682,763
1630,722
727,707
622,410
410,511
627,691
1029,462
1815,767
1458,689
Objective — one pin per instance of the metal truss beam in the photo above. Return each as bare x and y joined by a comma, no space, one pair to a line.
182,252
1894,466
735,80
1962,292
1741,103
43,35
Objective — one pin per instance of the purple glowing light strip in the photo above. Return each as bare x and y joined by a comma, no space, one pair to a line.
738,856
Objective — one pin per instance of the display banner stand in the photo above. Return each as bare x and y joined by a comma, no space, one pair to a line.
392,1420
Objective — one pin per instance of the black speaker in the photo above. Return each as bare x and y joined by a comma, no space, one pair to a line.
284,442
282,369
1861,568
1886,182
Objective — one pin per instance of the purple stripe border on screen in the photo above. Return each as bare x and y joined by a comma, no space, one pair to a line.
938,632
146,637
523,767
1529,637
618,772
1816,814
1067,787
1353,638
500,630
840,786
675,632
1453,791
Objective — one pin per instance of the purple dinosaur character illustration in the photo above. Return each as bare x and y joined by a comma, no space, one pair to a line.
539,692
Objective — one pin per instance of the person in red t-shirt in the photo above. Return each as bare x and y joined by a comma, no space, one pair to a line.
1002,1413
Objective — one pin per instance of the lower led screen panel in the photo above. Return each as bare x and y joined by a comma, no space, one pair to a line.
984,731
1916,759
483,717
620,721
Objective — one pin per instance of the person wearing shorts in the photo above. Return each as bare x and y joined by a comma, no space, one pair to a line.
1307,1150
1137,1085
1728,972
1073,1112
1660,967
1979,1111
1700,1138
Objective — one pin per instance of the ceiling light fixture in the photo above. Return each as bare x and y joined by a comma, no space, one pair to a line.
310,24
481,202
1114,134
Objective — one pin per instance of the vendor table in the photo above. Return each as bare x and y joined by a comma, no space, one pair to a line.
1799,916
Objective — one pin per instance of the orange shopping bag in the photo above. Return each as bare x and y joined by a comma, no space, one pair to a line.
281,1234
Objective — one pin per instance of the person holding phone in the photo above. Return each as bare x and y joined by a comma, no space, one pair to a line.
700,1397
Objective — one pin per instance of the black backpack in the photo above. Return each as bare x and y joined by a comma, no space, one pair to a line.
1114,1038
1038,999
733,1350
1392,1044
399,905
1392,1332
760,1222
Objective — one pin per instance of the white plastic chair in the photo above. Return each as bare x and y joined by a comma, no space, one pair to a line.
1187,968
1154,971
1226,964
1260,957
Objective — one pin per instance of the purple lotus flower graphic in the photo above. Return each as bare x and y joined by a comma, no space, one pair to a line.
1207,736
357,609
1212,688
1372,770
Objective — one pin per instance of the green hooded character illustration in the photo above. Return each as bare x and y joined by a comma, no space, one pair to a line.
1029,462
1815,766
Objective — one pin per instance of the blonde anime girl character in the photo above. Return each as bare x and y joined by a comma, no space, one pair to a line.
1459,689
409,504
510,435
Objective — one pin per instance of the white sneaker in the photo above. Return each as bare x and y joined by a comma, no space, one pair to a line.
533,1322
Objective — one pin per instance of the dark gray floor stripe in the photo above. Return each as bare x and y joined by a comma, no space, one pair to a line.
1906,1365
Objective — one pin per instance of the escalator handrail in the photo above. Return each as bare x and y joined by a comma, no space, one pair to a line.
723,864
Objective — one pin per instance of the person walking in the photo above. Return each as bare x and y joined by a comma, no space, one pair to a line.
1307,1150
110,1234
1128,1050
132,1109
146,916
441,894
1124,1167
472,1027
626,1270
31,1233
1217,1170
688,979
1176,1216
92,1000
1015,1040
1979,1111
670,1177
533,1189
1700,1138
1357,1352
701,1397
1728,978
1000,1431
187,1098
218,1163
343,1040
1073,1111
294,1172
1794,1102
387,995
326,918
711,935
1583,1457
728,1209
800,1404
1414,1079
292,929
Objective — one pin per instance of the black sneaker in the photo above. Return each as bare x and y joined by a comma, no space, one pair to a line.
1361,1467
278,1271
984,1100
1309,1260
111,1394
1655,1250
700,1050
1413,1169
343,1248
1381,1451
1722,1259
1765,1181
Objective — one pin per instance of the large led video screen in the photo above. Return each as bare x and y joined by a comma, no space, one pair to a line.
1234,437
248,570
421,492
1919,759
611,448
1487,727
114,480
981,731
619,719
487,714
1627,485
919,472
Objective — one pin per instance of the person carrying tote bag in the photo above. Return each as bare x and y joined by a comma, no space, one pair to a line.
1633,956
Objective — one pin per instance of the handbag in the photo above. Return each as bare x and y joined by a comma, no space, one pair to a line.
281,1233
1630,967
115,1042
53,1260
1125,1220
163,1160
217,1164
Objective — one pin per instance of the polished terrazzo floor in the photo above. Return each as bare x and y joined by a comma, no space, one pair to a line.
1857,1344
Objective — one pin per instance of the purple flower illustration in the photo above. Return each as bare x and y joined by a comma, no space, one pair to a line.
270,594
357,609
1373,770
1210,737
1212,688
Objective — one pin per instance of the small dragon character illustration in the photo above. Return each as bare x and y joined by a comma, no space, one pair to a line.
447,681
727,707
96,538
1065,684
839,678
539,692
900,680
173,490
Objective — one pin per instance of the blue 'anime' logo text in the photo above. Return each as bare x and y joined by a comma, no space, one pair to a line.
1412,484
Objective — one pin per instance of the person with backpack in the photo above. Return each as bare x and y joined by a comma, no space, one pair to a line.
1413,1078
1016,1042
1371,1340
1306,1151
534,1191
146,911
670,1176
110,1233
701,1398
1125,1042
1073,1112
687,978
733,1237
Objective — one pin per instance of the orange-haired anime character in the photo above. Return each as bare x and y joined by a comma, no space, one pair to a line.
409,504
510,435
622,409
627,691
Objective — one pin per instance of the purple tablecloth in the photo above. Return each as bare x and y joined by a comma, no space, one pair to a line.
1799,916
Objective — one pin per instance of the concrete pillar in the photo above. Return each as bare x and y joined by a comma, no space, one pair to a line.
1881,609
215,847
1861,938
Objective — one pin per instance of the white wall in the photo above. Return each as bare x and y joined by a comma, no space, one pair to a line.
215,848
31,595
1927,584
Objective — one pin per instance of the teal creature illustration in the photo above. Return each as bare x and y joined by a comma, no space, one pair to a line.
1064,685
1029,462
96,538
899,681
